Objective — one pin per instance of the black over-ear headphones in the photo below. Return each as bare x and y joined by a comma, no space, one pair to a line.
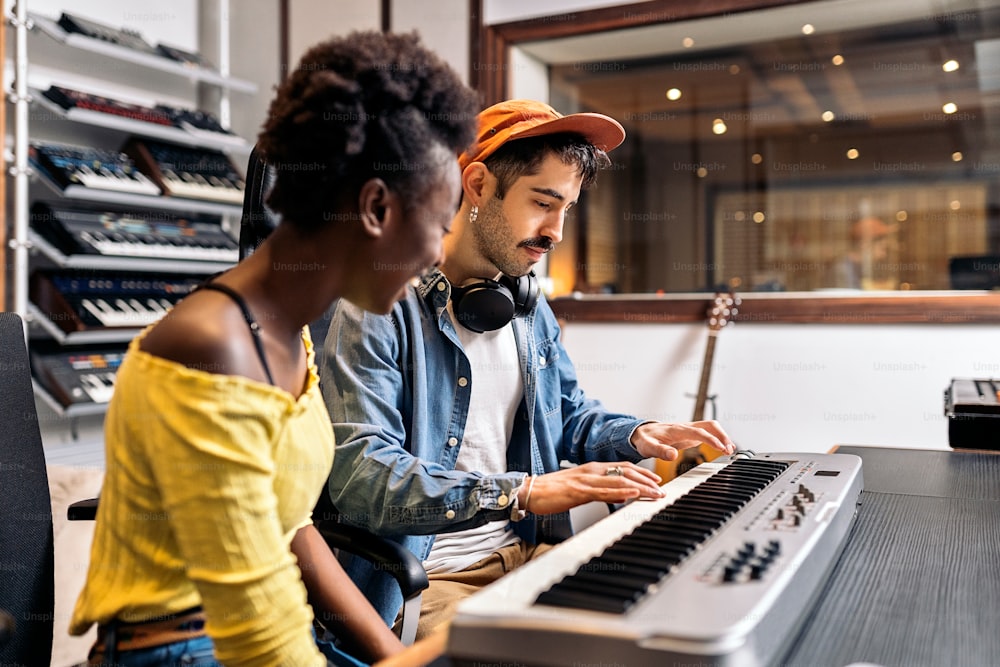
487,305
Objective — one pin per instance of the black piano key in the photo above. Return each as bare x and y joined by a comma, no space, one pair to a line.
601,589
640,584
656,551
578,600
624,555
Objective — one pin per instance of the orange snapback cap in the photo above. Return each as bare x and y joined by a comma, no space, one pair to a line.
519,119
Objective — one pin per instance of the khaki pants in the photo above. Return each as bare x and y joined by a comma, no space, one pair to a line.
446,590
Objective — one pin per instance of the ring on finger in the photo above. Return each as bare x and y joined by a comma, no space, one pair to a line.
615,471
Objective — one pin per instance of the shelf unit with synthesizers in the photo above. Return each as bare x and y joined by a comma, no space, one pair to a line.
126,192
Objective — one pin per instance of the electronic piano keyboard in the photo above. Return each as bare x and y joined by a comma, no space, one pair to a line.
86,300
78,376
152,234
183,171
72,167
719,572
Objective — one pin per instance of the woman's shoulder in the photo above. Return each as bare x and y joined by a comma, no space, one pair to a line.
204,331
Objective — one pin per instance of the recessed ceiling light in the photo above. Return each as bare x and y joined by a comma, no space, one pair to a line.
950,65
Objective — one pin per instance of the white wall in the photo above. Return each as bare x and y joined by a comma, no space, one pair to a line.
312,21
504,11
788,387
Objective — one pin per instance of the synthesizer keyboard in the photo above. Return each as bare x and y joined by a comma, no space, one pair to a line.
719,572
153,234
77,377
68,99
69,167
86,300
194,173
192,121
131,39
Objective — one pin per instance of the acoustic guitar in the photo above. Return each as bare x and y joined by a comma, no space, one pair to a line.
721,312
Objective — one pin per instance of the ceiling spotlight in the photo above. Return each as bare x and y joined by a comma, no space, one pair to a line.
758,217
719,126
688,42
950,65
837,59
957,156
808,29
949,107
674,94
852,153
827,116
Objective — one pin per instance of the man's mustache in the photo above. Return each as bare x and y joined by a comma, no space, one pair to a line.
542,243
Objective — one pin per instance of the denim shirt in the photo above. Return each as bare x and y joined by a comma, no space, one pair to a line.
398,389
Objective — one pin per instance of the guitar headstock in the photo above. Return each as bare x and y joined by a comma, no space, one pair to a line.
723,310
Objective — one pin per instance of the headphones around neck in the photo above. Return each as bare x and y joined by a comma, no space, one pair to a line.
487,305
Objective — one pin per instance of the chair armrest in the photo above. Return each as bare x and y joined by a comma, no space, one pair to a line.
82,510
394,559
6,627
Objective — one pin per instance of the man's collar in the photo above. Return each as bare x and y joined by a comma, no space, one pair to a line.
432,282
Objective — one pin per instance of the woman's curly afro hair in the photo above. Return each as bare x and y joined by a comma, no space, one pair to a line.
359,107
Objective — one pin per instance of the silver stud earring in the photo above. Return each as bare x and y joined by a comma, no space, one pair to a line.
474,214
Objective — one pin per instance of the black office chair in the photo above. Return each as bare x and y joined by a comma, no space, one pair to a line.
256,223
27,593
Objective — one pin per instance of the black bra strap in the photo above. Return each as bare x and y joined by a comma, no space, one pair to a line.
251,322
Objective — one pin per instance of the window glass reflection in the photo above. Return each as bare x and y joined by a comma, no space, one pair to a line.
855,158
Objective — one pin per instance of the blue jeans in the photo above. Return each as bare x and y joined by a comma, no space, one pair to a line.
198,652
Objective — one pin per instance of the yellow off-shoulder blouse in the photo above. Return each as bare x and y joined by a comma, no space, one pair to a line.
208,479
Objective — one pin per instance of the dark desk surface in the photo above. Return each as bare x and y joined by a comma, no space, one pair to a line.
973,475
918,582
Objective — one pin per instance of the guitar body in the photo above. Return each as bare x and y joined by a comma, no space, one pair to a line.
721,312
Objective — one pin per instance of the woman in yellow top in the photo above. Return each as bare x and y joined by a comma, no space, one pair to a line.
218,443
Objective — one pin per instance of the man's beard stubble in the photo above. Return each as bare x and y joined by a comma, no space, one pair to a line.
494,234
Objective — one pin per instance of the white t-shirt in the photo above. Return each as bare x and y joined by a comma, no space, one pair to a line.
495,395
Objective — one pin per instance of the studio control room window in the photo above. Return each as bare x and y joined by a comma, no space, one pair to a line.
820,146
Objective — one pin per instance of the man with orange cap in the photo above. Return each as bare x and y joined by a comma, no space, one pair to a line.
453,413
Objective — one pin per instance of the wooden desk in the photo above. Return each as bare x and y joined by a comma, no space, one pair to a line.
918,583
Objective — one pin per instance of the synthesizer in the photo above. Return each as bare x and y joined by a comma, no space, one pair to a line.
69,167
87,300
125,37
154,234
181,171
719,572
68,98
189,120
77,377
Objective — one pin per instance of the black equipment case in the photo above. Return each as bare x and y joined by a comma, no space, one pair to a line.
972,407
